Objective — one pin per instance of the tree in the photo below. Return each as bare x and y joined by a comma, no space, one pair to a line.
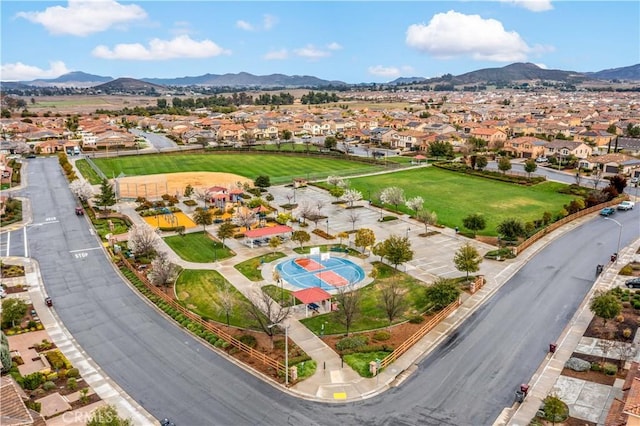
392,195
284,218
511,229
265,312
442,293
13,310
467,259
262,181
378,250
330,142
474,222
353,217
225,230
349,301
554,409
351,196
163,272
504,164
365,238
300,237
107,415
426,217
335,181
188,191
81,189
605,305
202,195
106,197
393,300
5,353
287,135
441,149
530,166
336,192
244,217
305,210
414,203
227,301
143,240
397,250
203,217
275,242
618,182
481,162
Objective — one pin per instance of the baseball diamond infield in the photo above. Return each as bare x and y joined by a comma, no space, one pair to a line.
154,186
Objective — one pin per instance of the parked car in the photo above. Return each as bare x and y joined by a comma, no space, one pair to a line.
3,293
626,205
607,211
542,160
634,181
633,282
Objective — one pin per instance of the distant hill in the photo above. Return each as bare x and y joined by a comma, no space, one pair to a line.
245,79
408,80
72,79
129,85
625,73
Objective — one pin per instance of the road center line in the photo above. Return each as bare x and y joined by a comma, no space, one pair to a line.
92,248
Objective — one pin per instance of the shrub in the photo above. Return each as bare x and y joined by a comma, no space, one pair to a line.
626,333
52,376
354,342
620,318
32,381
388,218
32,405
610,369
72,383
48,385
73,372
57,360
416,319
595,366
381,336
249,340
626,270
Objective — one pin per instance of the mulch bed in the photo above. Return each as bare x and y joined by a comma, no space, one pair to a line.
595,376
399,334
613,330
90,400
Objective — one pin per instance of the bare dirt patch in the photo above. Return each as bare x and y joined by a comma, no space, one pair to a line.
399,334
613,329
154,186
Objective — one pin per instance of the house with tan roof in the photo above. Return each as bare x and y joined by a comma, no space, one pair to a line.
612,163
14,410
563,148
525,147
494,137
408,139
594,137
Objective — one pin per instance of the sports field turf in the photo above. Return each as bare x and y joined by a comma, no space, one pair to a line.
280,168
453,196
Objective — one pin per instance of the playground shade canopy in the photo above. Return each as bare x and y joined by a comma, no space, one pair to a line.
311,295
268,231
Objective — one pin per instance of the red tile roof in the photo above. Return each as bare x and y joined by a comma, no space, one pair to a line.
265,232
311,295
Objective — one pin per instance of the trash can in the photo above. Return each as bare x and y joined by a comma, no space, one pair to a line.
552,347
519,396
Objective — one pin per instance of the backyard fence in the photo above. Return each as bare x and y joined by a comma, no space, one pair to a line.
430,325
280,369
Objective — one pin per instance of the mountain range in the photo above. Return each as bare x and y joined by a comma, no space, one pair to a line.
517,72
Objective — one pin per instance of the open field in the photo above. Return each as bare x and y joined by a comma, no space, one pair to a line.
453,196
198,247
154,186
280,168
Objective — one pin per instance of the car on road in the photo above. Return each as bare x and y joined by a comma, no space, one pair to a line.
542,160
607,211
633,282
634,181
626,205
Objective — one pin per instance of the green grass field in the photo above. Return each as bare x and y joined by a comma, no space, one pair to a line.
453,196
280,168
198,247
250,268
88,173
201,290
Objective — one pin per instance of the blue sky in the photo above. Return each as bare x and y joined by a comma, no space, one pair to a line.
359,41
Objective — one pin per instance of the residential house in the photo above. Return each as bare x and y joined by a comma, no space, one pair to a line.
629,146
625,411
562,148
525,147
382,135
494,137
408,139
594,137
613,163
14,410
114,139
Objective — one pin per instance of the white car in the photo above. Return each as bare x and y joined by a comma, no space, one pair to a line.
542,160
626,205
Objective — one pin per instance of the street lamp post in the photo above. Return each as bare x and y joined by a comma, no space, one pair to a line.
327,226
408,229
286,351
619,236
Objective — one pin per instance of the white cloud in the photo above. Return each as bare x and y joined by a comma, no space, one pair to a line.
381,71
84,17
334,46
532,5
268,22
23,72
311,52
276,54
179,47
244,25
454,34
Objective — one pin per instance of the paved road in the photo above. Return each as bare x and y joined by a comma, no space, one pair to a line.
157,140
466,381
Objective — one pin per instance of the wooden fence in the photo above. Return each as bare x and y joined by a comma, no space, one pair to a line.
407,344
206,324
535,237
